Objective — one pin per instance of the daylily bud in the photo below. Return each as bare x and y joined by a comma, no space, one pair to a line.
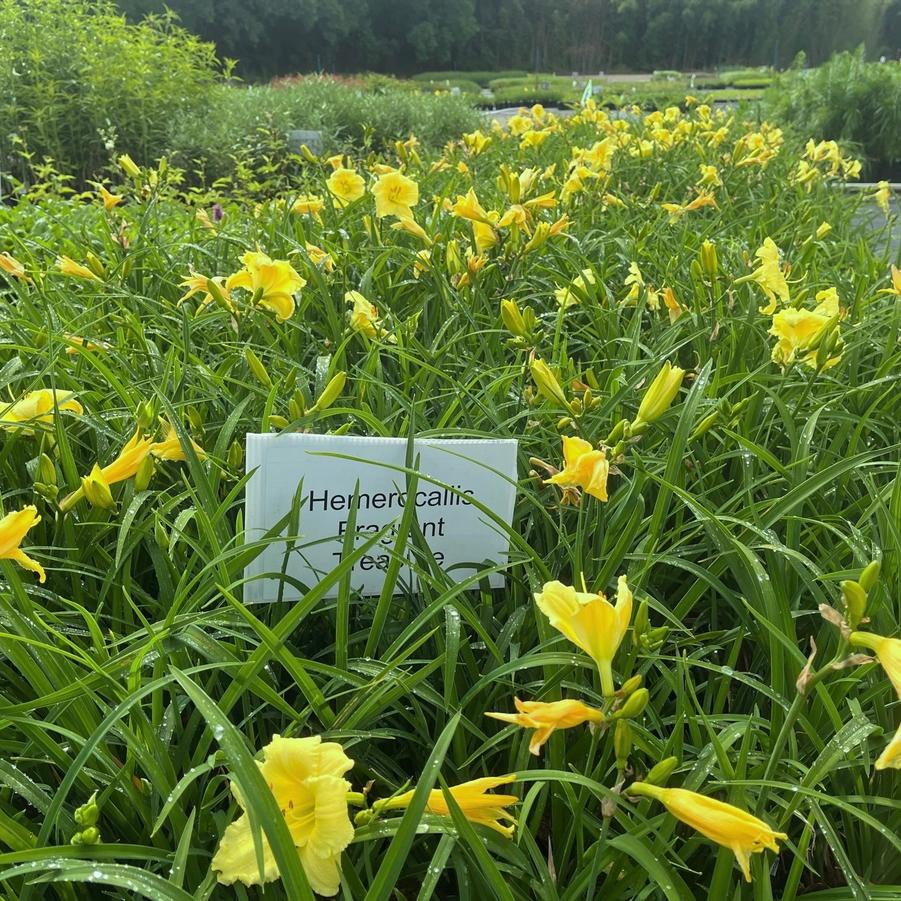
331,392
705,425
660,394
95,265
235,455
869,576
710,264
512,318
129,166
855,601
159,534
88,813
277,422
618,431
661,772
547,383
823,229
89,836
641,622
144,473
46,470
195,417
97,490
257,368
654,638
629,686
146,416
635,705
622,743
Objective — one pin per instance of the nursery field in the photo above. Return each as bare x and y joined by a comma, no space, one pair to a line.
688,686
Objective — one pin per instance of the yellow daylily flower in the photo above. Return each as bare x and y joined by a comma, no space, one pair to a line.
890,758
769,276
677,210
888,652
346,185
395,195
516,218
421,262
635,283
69,267
584,467
40,406
306,777
170,448
200,284
11,266
725,824
364,317
129,166
473,799
309,205
710,175
320,257
573,293
123,467
110,200
13,527
799,329
411,226
273,283
547,716
468,207
476,142
589,621
674,308
883,197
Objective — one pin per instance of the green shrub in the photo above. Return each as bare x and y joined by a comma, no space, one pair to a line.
250,124
480,78
465,86
78,83
526,95
846,99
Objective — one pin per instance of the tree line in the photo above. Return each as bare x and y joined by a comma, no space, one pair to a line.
276,37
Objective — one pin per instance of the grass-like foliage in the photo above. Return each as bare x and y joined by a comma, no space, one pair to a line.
743,494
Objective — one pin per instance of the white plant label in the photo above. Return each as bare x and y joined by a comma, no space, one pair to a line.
323,471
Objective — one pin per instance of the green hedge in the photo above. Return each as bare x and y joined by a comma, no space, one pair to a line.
79,84
481,78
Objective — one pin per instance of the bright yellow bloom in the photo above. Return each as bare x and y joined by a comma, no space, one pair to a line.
890,758
883,197
320,257
10,265
896,281
888,652
722,823
476,142
395,195
170,447
584,467
516,218
589,621
336,160
13,528
677,210
473,800
674,308
364,317
346,185
546,716
635,283
576,290
77,343
411,226
200,284
309,205
534,138
519,124
39,406
710,175
468,207
306,777
273,283
422,262
110,201
769,276
823,229
798,330
69,267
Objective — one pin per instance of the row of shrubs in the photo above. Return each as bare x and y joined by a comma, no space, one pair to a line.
79,85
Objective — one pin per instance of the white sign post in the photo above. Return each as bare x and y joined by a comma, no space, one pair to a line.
325,469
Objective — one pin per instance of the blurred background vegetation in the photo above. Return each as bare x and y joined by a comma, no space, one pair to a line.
273,37
82,81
